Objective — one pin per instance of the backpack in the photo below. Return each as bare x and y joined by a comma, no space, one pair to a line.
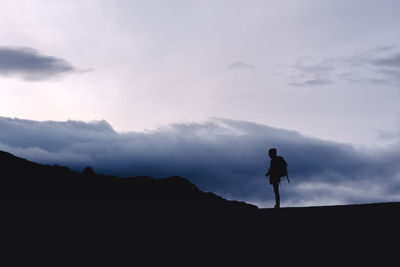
281,169
277,170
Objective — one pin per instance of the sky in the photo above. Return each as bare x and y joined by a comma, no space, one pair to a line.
226,75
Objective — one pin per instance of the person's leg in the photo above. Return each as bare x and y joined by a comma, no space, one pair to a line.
277,197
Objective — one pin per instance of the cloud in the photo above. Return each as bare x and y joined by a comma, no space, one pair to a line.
240,65
385,48
392,61
315,82
376,66
29,64
227,157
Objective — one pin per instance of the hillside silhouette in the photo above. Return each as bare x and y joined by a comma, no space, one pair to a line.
54,212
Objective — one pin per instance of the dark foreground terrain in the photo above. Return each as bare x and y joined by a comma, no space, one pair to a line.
52,215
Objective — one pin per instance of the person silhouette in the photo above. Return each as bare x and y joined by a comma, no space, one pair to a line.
277,169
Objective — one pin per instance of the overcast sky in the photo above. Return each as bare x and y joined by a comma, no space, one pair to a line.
329,70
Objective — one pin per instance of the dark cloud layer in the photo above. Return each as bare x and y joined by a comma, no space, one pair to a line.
224,156
29,64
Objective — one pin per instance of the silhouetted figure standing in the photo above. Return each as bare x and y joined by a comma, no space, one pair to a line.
277,169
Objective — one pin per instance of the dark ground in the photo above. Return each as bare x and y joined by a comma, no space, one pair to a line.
51,215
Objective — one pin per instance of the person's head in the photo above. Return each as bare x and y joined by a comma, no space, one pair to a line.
272,153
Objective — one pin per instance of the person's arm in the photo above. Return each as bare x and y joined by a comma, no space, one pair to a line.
269,170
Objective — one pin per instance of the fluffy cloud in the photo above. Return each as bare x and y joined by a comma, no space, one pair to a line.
223,156
29,64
